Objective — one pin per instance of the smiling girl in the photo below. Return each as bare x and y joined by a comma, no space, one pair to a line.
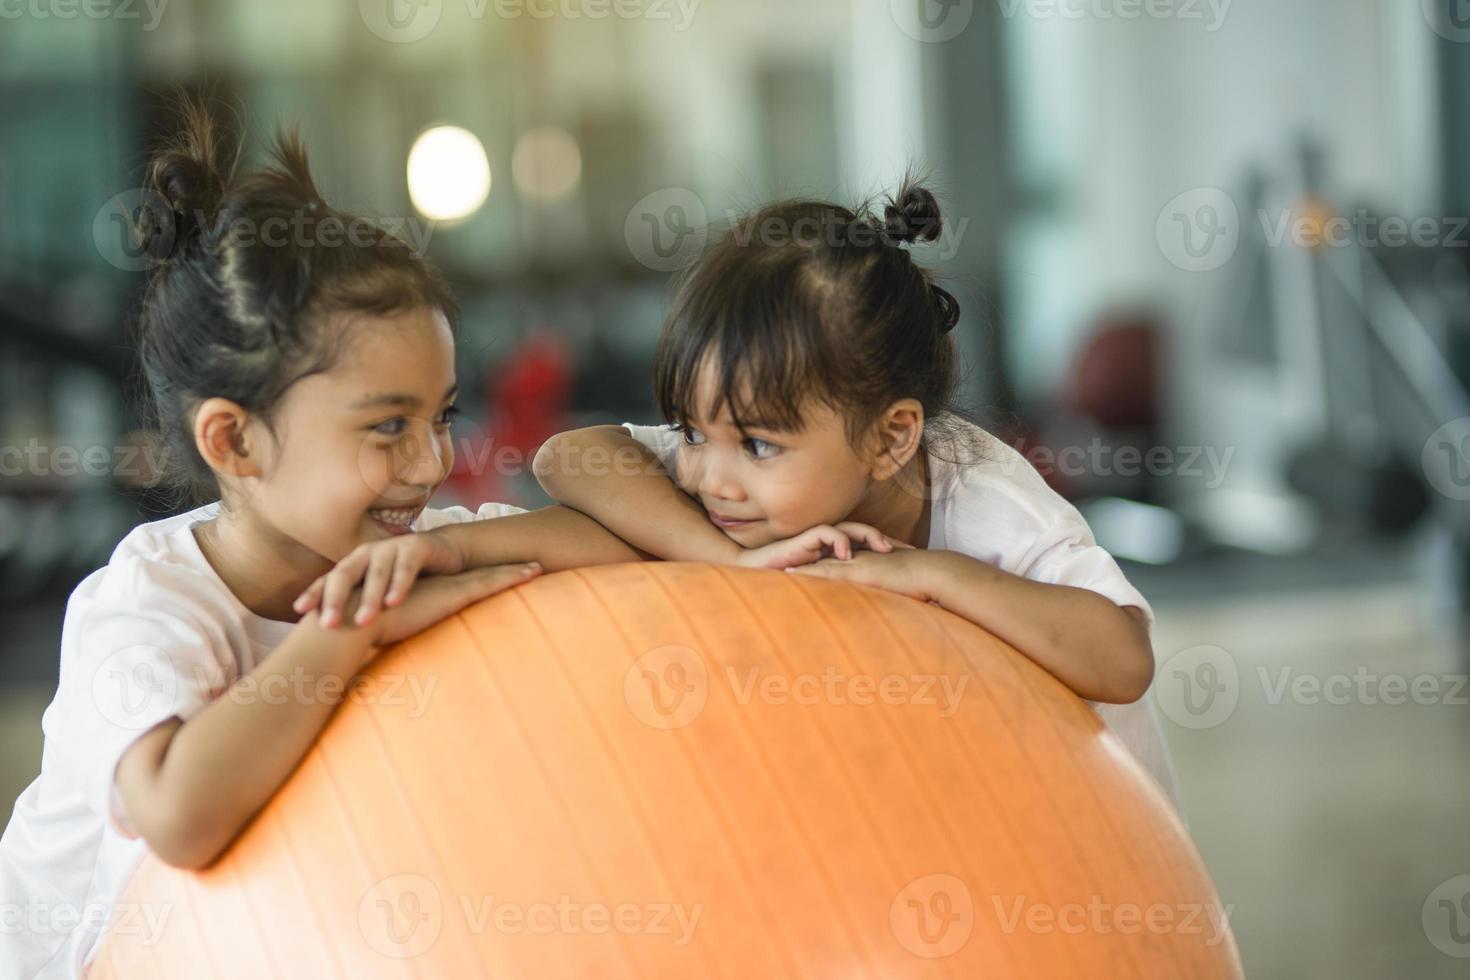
807,367
304,386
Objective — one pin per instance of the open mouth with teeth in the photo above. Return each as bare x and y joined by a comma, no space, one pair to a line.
397,519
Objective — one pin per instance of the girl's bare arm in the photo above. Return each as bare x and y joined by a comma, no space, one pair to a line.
605,473
190,787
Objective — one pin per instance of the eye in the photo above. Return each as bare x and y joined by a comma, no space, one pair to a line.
396,426
392,427
756,446
692,437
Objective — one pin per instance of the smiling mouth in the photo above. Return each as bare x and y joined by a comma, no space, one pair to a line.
397,518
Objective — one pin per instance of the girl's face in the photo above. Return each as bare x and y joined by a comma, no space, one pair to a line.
361,448
770,485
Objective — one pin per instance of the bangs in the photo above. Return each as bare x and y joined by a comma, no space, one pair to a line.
762,357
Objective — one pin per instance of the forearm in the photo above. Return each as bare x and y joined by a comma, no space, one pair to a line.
222,765
607,474
1081,637
557,537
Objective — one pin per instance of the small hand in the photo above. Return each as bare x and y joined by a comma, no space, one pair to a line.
385,570
907,572
817,542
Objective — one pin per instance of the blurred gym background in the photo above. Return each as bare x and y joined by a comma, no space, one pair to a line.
1215,270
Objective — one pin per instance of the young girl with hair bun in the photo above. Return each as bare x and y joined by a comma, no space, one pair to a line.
302,376
807,369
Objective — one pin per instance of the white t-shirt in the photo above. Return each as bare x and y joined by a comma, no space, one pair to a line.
995,507
154,633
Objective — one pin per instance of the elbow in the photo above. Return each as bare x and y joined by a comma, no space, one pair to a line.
183,837
184,847
1134,682
1130,679
188,858
547,464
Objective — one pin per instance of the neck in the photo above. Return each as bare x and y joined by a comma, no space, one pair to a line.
265,570
899,506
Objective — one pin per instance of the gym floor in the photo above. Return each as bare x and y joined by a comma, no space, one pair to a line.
1300,803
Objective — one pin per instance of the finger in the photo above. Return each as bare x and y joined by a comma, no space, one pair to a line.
340,582
405,570
866,535
827,538
374,584
501,577
307,601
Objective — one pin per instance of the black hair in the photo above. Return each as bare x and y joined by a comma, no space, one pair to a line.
234,312
807,299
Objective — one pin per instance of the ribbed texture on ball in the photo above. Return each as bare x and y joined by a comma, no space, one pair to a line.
675,736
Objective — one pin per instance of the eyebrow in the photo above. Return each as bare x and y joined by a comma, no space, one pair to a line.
407,401
751,426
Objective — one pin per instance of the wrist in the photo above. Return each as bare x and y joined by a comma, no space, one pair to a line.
345,648
939,571
457,544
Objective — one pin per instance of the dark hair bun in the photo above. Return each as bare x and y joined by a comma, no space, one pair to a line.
186,182
913,216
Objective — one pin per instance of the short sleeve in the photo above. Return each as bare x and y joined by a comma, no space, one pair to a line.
662,440
1002,512
1067,554
433,518
128,663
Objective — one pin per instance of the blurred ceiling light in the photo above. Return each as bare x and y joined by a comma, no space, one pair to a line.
448,173
546,163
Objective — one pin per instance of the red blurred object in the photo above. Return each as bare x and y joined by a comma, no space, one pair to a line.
1110,393
527,400
1114,379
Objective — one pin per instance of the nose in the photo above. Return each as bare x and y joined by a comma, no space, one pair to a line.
713,479
424,459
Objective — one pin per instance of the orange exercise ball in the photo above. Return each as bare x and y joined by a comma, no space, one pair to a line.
682,770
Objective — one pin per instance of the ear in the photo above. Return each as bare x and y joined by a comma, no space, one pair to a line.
898,432
225,436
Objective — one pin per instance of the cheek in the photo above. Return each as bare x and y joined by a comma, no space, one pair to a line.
796,500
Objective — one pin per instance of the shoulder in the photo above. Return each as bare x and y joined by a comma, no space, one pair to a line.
980,477
661,440
155,568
